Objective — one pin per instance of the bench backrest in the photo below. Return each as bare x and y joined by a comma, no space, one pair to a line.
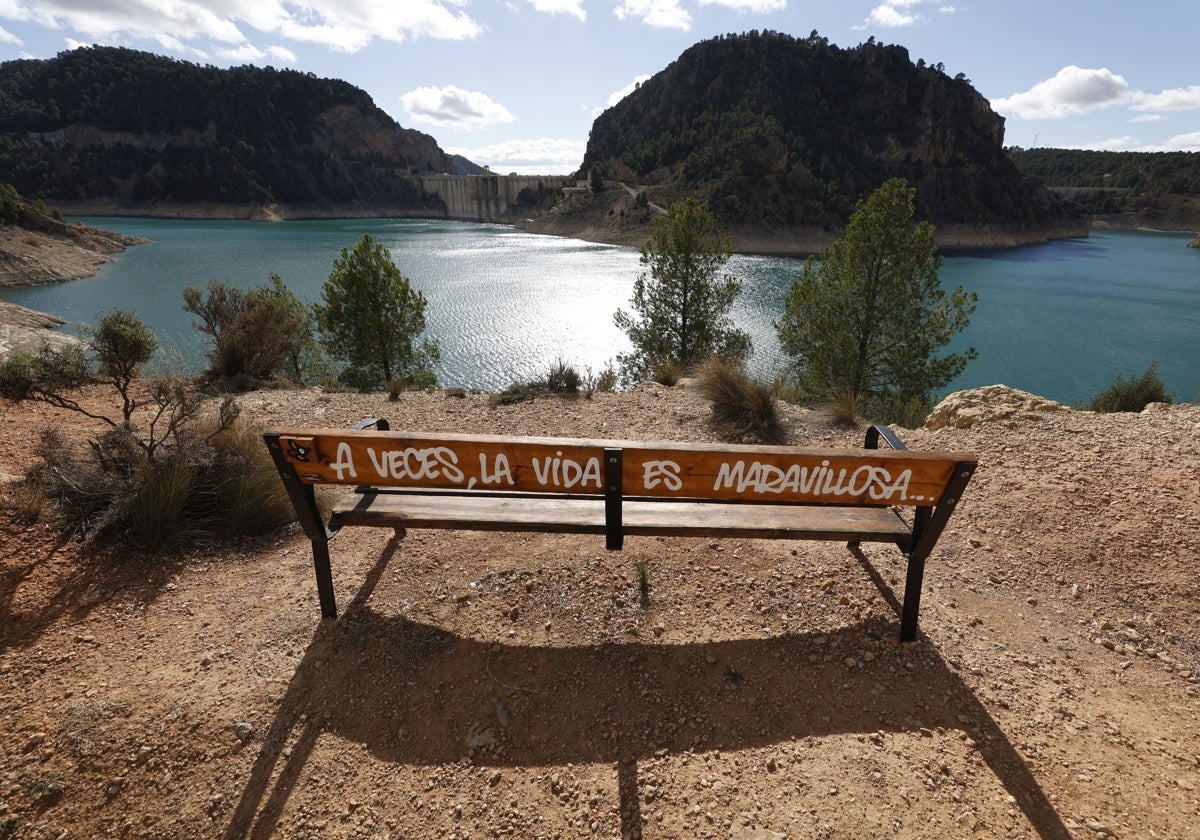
483,463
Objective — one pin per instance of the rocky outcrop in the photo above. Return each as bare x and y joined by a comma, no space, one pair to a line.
1195,243
26,331
964,409
783,133
39,249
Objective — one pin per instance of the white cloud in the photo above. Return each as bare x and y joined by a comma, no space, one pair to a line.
1189,142
1176,99
949,10
761,7
248,53
542,156
1148,118
892,14
556,7
449,106
1112,144
341,24
1072,91
614,98
663,14
7,37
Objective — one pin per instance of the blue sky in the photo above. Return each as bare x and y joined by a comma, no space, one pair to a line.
516,84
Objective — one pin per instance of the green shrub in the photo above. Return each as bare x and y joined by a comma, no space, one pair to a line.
563,379
907,412
741,405
1133,394
511,395
605,380
255,334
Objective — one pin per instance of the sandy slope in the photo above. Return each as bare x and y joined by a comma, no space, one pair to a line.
518,686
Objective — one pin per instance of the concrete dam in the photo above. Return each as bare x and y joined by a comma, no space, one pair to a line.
485,198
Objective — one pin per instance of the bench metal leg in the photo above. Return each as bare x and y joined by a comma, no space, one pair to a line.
320,550
912,599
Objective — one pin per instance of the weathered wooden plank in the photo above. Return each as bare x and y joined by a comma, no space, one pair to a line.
641,517
680,470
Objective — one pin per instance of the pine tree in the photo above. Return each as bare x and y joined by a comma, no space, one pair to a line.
867,317
682,304
371,318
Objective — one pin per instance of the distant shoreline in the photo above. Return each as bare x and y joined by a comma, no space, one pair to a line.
587,226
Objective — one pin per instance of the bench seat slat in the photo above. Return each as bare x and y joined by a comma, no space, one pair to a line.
641,517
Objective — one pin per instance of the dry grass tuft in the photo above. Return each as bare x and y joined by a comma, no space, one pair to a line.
743,407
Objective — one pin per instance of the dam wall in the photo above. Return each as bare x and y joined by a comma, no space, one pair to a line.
485,198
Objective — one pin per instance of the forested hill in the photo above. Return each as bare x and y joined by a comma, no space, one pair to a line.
1122,189
792,132
113,123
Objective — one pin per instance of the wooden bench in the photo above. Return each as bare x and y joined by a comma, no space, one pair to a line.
622,488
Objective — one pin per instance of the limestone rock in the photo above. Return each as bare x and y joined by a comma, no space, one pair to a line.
964,409
26,330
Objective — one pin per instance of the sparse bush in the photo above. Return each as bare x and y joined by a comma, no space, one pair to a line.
1133,394
512,395
667,372
563,379
242,486
842,407
742,406
154,475
256,334
907,412
605,380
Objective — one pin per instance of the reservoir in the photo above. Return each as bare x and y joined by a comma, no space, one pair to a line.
1061,320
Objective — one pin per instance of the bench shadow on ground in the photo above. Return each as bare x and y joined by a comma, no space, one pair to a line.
416,694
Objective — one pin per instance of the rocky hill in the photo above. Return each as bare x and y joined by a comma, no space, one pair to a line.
101,126
784,134
37,246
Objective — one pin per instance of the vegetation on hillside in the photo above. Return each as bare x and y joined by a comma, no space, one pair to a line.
110,122
1133,394
1114,182
1174,173
781,131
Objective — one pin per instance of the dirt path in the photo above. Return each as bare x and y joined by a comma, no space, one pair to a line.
482,686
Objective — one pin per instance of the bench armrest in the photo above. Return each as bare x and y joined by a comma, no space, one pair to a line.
891,438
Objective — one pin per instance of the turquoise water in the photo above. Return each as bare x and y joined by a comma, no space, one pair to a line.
1060,320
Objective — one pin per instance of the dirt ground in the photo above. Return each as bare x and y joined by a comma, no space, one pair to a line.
496,685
